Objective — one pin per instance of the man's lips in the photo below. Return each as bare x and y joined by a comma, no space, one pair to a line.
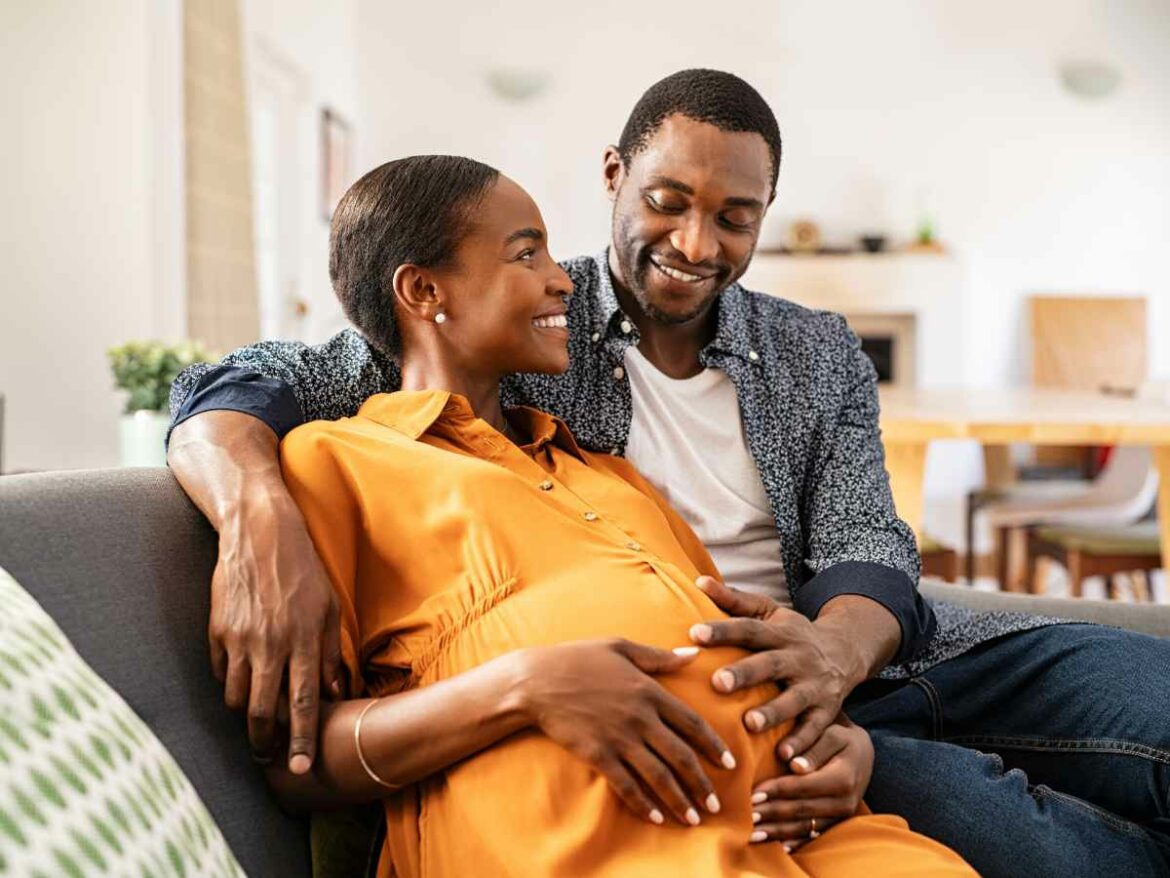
683,275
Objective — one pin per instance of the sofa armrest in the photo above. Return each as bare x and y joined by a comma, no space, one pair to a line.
1147,618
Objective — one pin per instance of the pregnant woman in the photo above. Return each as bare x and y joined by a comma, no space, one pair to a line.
493,578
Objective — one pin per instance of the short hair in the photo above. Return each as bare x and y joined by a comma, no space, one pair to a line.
712,96
413,210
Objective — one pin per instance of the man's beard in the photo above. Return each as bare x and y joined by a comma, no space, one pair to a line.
636,265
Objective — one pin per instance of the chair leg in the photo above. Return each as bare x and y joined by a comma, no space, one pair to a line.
1042,569
1139,583
1076,576
1002,540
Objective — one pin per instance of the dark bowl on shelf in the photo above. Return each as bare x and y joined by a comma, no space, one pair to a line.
873,243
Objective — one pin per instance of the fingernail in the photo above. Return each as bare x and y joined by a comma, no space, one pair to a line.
686,651
299,764
713,804
703,582
701,633
724,680
787,752
757,817
759,798
693,817
755,720
727,759
335,688
801,763
656,817
759,835
788,847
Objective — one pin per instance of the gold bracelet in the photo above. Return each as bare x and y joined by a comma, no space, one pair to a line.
357,744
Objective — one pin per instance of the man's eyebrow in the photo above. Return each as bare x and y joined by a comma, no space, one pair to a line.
531,233
679,186
743,202
671,183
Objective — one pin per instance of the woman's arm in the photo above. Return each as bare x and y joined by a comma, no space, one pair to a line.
594,698
406,737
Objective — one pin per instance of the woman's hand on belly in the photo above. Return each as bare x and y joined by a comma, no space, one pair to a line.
597,699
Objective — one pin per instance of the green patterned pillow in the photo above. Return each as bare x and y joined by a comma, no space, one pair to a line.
86,789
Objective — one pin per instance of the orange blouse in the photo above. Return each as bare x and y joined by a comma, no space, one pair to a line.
449,545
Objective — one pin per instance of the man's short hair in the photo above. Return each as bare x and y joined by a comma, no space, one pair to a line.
712,96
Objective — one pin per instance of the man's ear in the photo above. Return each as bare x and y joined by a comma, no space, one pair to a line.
416,293
613,172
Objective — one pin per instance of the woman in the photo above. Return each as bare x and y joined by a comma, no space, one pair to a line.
492,575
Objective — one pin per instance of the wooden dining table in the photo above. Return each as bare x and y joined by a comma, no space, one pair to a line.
911,419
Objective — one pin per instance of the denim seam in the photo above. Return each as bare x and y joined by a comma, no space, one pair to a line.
935,700
1119,824
1084,745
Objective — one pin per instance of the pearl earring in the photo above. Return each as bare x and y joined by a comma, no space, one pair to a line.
440,317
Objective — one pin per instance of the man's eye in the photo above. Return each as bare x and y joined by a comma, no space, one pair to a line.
739,219
526,255
664,206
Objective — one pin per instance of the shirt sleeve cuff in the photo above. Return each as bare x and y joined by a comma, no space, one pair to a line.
891,588
231,388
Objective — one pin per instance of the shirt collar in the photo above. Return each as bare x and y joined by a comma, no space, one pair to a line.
414,412
733,332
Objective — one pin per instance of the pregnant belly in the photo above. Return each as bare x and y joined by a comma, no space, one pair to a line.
528,787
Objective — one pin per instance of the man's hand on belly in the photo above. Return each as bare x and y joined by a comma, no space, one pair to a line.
596,699
820,787
789,650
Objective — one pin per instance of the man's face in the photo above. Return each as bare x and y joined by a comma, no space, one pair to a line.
687,214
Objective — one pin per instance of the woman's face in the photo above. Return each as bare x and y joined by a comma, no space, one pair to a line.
504,295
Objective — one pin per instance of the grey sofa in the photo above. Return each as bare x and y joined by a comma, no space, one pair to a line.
122,561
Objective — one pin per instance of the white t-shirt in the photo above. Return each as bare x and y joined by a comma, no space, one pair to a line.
687,439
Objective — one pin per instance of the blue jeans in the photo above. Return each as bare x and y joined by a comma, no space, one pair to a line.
1040,753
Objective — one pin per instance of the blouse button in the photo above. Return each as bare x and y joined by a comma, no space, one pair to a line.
596,337
546,485
626,327
634,545
753,356
619,373
590,516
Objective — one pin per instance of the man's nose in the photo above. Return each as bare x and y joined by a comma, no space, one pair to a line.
696,240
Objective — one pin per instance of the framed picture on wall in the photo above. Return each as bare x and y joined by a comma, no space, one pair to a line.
336,160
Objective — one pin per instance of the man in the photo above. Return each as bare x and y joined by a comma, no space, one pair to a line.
758,419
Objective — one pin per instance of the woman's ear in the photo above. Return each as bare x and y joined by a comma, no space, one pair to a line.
613,172
415,291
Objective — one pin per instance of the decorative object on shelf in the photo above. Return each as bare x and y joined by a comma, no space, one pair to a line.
1089,80
336,160
873,243
146,370
924,238
517,84
804,236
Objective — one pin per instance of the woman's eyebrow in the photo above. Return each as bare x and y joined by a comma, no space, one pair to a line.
531,233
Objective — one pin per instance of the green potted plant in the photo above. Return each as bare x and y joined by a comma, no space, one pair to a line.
145,369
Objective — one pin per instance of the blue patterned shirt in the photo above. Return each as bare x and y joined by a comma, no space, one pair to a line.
807,397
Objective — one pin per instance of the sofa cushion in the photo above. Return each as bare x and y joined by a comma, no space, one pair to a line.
122,561
87,788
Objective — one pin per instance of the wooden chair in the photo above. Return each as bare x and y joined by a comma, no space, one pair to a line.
1083,343
1096,551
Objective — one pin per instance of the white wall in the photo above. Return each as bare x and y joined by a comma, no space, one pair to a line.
885,108
76,228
